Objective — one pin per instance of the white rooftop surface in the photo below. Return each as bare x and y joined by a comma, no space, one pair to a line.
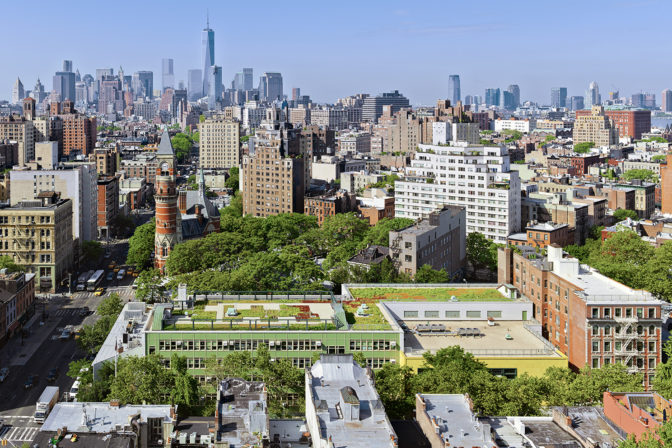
455,421
329,376
136,346
100,417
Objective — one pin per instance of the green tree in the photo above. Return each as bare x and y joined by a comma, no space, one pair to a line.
149,287
589,386
427,274
380,233
142,380
394,384
91,337
662,381
234,179
185,387
658,272
583,148
111,305
658,158
623,257
621,214
7,262
641,174
481,252
182,144
141,245
92,251
235,207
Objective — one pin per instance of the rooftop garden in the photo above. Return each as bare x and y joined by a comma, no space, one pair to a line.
428,294
363,314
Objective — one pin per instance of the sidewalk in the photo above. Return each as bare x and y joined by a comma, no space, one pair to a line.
15,354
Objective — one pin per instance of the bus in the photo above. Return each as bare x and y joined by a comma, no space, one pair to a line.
93,282
83,278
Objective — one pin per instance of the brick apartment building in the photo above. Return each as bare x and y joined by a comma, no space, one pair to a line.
591,318
17,295
666,186
638,414
329,205
544,234
108,204
630,123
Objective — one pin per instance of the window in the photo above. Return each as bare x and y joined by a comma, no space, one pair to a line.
453,314
497,314
652,313
596,330
410,314
607,346
607,312
431,314
596,312
617,312
640,312
596,346
510,373
617,346
473,314
596,363
628,312
652,346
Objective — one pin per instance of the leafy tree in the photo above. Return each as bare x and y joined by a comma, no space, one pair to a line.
7,262
481,252
394,384
658,158
589,386
91,337
235,207
427,274
380,233
185,386
658,272
244,139
111,306
141,380
621,214
662,381
583,148
234,179
92,251
623,257
182,144
149,288
141,245
641,174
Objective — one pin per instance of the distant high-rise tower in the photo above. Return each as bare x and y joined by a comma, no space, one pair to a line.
38,92
17,92
194,84
168,218
667,101
515,91
208,55
64,85
296,93
248,79
270,86
577,103
593,97
143,84
215,93
167,74
454,94
492,97
559,97
67,66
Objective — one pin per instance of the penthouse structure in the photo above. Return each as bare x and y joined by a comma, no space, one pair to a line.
477,178
591,318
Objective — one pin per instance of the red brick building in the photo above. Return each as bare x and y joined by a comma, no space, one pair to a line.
108,204
630,123
636,414
591,318
17,295
581,163
666,186
329,205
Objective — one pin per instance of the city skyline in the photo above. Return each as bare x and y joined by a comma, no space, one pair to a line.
414,34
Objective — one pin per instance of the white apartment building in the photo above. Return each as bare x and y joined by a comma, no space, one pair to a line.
329,117
515,125
79,184
475,177
253,115
444,132
219,143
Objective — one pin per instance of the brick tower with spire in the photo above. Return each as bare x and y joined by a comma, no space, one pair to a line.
168,218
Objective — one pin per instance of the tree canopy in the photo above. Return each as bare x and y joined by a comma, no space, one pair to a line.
481,252
182,144
621,214
641,174
7,262
141,245
583,148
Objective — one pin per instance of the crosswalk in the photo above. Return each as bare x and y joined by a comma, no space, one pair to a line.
62,312
18,433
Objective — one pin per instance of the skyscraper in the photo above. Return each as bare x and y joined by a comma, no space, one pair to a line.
508,100
515,91
559,97
17,92
143,84
38,92
64,85
577,103
215,93
667,100
208,56
248,79
593,97
270,86
492,97
167,74
454,94
296,93
67,66
194,84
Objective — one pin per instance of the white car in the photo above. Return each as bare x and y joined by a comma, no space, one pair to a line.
4,373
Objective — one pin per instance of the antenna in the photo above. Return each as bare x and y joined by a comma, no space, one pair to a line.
207,18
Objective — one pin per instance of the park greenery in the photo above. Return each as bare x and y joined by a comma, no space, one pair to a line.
141,245
583,148
482,252
626,258
182,144
234,179
512,135
622,214
641,174
286,252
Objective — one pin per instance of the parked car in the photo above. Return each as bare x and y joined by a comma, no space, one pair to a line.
110,276
30,382
52,375
4,373
65,334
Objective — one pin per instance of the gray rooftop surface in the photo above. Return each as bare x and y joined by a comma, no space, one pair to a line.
100,417
456,422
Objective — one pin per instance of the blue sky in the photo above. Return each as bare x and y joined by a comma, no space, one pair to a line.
338,48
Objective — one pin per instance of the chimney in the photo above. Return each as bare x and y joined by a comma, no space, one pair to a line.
114,403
